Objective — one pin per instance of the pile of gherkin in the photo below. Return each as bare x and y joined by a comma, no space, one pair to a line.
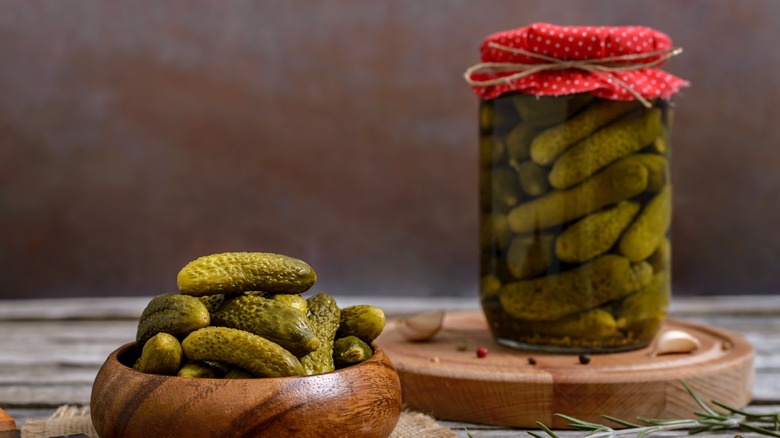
575,200
241,315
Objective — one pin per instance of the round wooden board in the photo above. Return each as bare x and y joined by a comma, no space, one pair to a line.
504,389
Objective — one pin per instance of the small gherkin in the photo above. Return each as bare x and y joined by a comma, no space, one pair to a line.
606,145
591,324
350,350
293,300
552,142
162,354
271,319
645,234
324,316
363,321
618,182
198,370
643,311
555,296
174,314
245,271
242,349
595,234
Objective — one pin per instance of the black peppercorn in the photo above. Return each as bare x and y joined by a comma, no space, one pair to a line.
584,359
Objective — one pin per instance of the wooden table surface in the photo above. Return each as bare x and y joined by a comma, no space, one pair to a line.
52,349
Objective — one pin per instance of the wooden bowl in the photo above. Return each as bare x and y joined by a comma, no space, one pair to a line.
363,400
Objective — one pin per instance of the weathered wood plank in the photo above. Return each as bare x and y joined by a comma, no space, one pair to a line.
54,348
45,395
488,431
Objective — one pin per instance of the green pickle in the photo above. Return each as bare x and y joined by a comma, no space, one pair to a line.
271,319
174,314
241,349
530,255
594,234
324,317
293,300
533,178
363,321
245,271
575,221
350,350
647,232
603,147
238,373
161,354
198,370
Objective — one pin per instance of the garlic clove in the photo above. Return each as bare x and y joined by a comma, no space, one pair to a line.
422,326
675,341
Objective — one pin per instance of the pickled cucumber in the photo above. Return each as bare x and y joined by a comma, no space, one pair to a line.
550,143
545,111
495,119
494,230
491,150
661,258
554,296
174,314
489,285
657,169
518,142
363,320
245,271
242,349
350,351
592,324
212,302
646,233
197,370
595,234
643,311
504,188
270,319
293,300
324,315
616,183
603,147
533,178
161,354
237,373
530,255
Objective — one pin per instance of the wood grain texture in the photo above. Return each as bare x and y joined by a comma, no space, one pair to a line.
358,401
504,389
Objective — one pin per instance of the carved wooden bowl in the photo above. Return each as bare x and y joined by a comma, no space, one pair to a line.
363,400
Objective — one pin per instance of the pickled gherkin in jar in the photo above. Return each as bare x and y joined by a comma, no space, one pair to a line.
575,223
575,185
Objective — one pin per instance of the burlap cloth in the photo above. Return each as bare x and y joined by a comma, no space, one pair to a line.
69,420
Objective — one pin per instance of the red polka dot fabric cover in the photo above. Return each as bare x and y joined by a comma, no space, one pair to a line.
579,43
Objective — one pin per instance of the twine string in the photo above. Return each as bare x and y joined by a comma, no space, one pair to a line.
604,67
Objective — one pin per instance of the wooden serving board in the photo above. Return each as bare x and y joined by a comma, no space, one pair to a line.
504,389
6,422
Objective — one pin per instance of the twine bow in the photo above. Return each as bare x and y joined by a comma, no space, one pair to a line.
604,67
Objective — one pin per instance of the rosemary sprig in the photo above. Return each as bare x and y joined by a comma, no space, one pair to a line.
708,421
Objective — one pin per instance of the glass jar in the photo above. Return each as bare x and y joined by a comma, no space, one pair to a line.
575,211
575,190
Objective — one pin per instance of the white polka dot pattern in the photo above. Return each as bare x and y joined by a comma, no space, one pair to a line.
579,43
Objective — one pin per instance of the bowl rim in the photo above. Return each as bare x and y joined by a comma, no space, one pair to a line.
113,359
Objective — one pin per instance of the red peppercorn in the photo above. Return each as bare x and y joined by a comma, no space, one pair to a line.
482,352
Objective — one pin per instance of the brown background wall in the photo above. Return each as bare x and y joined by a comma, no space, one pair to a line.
136,136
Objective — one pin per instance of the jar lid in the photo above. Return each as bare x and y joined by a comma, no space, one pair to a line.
542,59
